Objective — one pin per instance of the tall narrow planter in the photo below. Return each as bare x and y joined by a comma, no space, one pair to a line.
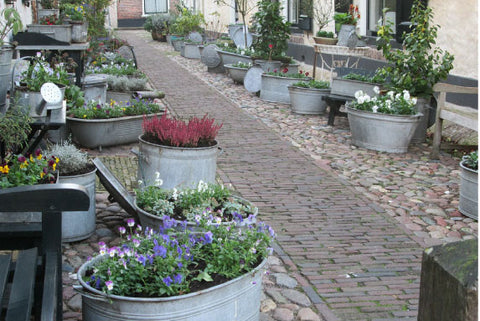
382,132
80,225
93,133
468,204
178,166
237,299
422,106
307,101
275,88
6,53
79,31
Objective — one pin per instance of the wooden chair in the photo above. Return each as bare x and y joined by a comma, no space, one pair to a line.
460,115
34,280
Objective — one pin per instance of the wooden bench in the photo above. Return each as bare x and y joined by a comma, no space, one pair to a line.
31,283
460,115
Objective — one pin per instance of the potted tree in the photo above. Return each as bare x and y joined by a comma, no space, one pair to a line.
184,152
306,97
157,25
10,22
419,65
323,15
74,167
345,25
468,204
272,33
383,123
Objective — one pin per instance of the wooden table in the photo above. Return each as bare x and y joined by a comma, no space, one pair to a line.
75,51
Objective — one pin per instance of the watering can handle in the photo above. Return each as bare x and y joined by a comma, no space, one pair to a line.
79,289
220,150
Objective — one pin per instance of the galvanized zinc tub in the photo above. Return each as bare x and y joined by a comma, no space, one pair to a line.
80,225
382,132
307,101
468,204
275,88
178,166
237,299
6,53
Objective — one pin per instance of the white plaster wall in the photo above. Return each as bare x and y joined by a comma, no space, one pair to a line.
24,11
458,33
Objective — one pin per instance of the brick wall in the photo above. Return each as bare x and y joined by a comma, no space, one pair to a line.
129,9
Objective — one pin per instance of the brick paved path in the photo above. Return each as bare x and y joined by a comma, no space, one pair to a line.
353,261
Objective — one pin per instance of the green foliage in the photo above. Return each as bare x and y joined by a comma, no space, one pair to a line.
11,21
33,169
312,84
242,65
189,203
284,73
40,71
72,11
159,22
187,22
272,29
166,262
74,96
420,65
135,106
471,160
15,127
325,34
71,159
95,14
376,79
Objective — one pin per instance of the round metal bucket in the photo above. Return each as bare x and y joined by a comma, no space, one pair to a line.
79,31
80,225
237,299
237,74
275,88
6,53
307,101
382,132
468,204
178,166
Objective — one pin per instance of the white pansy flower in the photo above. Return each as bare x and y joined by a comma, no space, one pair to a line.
406,95
361,99
391,94
358,93
375,108
376,90
367,98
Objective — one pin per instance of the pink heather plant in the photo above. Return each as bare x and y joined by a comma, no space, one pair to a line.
197,132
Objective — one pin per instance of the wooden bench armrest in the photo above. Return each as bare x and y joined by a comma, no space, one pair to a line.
457,118
44,197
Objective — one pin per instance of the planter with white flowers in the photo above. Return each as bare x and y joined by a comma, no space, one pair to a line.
384,123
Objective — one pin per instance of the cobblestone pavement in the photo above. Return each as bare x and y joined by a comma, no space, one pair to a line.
351,223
